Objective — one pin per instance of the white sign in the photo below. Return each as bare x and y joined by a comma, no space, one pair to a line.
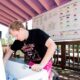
61,23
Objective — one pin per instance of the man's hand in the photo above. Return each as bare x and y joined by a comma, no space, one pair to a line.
37,67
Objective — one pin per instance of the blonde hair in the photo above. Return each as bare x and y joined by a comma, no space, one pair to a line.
16,25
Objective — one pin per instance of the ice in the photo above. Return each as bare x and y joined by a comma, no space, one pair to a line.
9,76
23,72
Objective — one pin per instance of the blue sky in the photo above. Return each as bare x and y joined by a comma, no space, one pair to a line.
4,30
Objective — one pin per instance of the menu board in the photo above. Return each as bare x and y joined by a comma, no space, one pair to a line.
61,23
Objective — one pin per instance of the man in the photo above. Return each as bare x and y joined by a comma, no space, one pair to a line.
36,44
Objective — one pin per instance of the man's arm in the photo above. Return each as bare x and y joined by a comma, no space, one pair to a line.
50,51
51,47
7,54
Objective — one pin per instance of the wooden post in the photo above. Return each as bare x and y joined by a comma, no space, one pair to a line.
63,52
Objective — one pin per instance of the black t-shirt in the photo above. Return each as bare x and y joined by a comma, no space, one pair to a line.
34,47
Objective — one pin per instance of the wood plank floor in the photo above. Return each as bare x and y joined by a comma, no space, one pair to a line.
67,74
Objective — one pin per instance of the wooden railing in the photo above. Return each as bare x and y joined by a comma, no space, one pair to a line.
67,55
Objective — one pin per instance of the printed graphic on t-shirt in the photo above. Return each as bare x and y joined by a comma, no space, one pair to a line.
31,52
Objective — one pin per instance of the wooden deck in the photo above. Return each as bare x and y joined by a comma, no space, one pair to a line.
67,74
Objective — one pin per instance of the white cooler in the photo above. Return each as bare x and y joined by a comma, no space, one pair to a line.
20,71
